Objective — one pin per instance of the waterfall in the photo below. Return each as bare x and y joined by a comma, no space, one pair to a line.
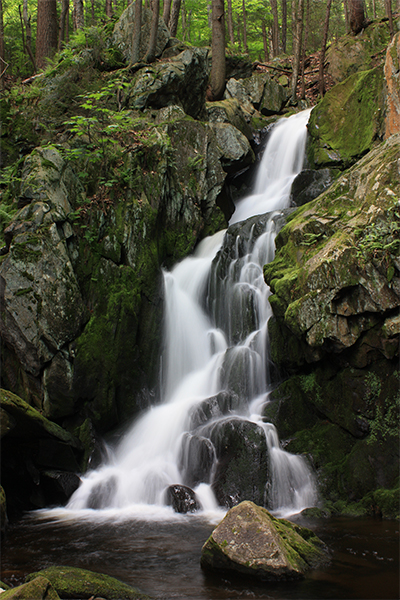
215,362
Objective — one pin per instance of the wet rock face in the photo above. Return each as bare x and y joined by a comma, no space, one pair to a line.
182,499
250,542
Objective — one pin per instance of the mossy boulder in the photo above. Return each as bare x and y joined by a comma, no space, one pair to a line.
71,582
348,121
251,542
229,111
38,588
350,54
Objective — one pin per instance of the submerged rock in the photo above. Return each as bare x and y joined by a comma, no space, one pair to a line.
250,541
71,582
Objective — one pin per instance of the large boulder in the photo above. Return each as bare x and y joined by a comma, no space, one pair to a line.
348,121
39,458
182,80
251,542
349,54
335,284
71,582
122,34
182,499
38,588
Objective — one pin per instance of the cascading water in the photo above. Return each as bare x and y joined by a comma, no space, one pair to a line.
215,365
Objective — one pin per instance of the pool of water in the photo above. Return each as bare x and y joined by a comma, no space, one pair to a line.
162,558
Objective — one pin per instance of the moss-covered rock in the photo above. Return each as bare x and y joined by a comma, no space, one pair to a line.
70,582
350,54
251,542
347,122
38,588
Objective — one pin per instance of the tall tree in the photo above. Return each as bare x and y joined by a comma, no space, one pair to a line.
109,9
265,41
63,21
305,45
388,11
28,34
323,49
275,28
79,15
151,50
230,23
46,33
166,11
135,52
246,47
218,66
173,24
284,25
357,16
297,45
2,53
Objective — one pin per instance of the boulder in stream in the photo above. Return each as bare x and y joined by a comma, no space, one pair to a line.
181,498
251,542
71,582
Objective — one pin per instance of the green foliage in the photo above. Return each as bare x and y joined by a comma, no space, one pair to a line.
10,181
381,240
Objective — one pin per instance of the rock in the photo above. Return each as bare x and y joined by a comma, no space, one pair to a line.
3,511
181,81
242,468
235,89
309,184
235,148
392,77
41,301
33,446
197,459
274,97
181,498
217,406
347,122
255,86
38,588
229,111
350,54
70,582
251,542
122,34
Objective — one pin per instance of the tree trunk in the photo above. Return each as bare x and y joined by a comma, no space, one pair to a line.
218,67
28,34
284,25
63,20
265,41
166,11
303,60
173,24
357,16
347,15
151,50
275,28
389,14
135,53
297,39
47,29
323,49
109,9
2,54
79,17
246,48
230,23
184,21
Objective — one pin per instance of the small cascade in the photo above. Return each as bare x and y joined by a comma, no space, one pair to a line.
215,379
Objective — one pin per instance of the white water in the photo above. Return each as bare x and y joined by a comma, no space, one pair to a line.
206,350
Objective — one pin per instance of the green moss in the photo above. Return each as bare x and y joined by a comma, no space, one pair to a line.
72,582
348,120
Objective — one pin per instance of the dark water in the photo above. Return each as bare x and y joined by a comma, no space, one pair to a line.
162,558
